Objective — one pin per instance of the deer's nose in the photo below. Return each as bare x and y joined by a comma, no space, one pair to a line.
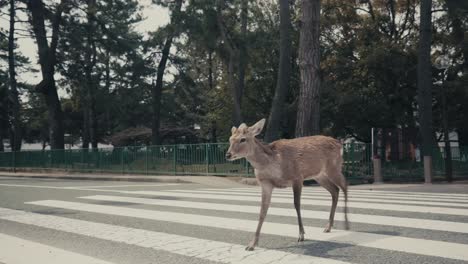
228,155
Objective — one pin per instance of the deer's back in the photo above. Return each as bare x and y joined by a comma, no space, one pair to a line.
308,157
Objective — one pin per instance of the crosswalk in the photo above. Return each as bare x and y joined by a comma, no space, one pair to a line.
395,226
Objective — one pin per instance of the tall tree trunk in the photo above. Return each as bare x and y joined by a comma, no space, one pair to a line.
2,147
230,61
282,83
16,132
308,112
93,136
242,60
157,88
108,93
237,113
47,60
91,83
210,70
424,79
2,120
85,128
214,136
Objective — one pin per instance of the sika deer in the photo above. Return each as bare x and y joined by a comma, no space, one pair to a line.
289,162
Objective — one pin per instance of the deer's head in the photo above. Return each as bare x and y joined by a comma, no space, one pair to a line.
242,140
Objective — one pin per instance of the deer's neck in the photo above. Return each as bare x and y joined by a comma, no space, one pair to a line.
262,155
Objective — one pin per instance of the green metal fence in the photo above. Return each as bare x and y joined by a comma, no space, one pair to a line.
185,159
209,159
413,171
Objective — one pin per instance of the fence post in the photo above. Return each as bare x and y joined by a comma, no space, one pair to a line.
174,161
122,159
146,160
14,161
428,170
98,160
377,170
207,155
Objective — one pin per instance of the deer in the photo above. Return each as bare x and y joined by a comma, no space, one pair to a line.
288,162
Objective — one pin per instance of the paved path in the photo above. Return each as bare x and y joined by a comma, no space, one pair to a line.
129,222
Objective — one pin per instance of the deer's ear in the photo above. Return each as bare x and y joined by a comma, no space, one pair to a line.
233,130
257,128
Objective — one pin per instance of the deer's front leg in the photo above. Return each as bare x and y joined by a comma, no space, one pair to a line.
267,190
297,189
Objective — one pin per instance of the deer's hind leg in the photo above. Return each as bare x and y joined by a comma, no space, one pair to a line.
340,181
334,191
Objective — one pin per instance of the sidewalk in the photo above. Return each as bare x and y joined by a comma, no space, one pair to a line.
204,180
229,182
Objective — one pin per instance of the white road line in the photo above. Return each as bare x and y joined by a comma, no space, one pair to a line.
183,245
20,251
328,198
354,218
387,242
351,204
120,186
352,194
377,192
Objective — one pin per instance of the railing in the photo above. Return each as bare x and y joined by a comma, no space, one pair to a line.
413,171
209,159
186,159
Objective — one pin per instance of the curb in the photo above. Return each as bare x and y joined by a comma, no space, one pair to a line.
103,178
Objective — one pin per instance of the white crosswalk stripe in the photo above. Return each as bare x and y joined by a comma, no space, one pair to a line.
353,194
374,193
355,218
417,214
13,251
182,245
426,247
351,204
327,197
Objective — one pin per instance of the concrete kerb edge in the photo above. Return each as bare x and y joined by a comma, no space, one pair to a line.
97,178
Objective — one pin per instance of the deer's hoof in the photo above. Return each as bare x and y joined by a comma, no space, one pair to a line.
249,248
327,229
301,238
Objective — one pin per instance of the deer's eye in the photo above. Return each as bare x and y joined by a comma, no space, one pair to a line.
242,140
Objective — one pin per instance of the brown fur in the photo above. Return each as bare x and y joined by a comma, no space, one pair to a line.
288,162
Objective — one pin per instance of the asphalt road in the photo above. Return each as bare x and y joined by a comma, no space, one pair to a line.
70,221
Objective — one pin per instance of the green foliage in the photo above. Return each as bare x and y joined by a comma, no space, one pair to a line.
368,67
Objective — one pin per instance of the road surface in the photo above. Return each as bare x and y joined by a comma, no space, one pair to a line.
70,221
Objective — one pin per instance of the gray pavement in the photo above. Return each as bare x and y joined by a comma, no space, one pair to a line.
174,222
204,180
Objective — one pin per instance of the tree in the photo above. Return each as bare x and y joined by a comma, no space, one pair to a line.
369,71
47,61
235,49
35,116
282,84
308,112
3,104
425,80
100,57
158,85
16,126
